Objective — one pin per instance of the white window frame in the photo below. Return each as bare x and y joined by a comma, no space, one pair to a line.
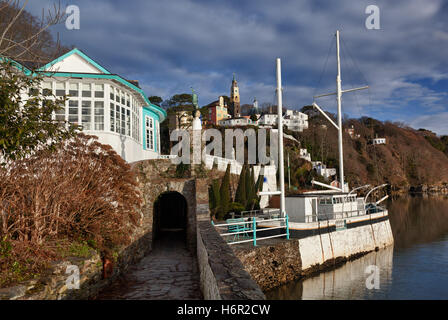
149,128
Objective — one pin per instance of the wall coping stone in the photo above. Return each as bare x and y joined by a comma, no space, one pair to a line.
233,281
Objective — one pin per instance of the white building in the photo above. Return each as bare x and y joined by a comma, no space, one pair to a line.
295,120
268,120
351,132
241,121
304,154
104,104
322,169
379,141
292,119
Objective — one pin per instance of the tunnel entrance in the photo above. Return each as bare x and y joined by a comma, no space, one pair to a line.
170,217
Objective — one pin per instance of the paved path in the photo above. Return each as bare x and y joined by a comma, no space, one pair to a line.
169,272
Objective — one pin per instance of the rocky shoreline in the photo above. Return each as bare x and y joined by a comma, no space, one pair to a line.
419,188
424,188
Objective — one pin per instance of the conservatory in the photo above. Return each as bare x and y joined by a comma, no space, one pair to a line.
105,104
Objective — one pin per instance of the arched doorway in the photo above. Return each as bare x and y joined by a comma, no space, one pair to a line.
170,216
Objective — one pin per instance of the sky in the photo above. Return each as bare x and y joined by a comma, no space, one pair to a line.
171,46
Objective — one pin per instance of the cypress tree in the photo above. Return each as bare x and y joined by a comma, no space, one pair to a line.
250,188
215,197
240,195
224,194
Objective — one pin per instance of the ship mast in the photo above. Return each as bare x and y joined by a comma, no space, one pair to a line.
338,126
281,164
280,138
339,98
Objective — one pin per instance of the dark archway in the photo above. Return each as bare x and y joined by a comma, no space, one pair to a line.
170,216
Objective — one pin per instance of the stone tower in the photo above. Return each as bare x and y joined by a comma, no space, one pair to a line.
235,99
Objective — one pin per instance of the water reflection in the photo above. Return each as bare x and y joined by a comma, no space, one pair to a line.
346,282
417,219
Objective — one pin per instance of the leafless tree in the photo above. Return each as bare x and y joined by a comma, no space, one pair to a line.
25,38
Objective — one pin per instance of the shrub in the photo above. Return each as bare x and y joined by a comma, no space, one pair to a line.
81,192
182,170
236,207
27,124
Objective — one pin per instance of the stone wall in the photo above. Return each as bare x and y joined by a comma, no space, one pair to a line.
222,274
156,177
344,244
271,263
52,284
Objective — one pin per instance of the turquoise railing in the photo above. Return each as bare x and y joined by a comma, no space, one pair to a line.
237,230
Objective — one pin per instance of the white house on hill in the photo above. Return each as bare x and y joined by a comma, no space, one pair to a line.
292,119
322,169
379,141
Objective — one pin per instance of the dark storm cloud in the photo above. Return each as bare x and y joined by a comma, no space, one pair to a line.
172,45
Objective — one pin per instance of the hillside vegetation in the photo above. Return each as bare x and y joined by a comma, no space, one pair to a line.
410,158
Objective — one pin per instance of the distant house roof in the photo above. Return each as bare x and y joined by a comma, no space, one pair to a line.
212,104
215,104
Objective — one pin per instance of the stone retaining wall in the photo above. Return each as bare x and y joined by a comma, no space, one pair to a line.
52,284
344,244
271,263
222,275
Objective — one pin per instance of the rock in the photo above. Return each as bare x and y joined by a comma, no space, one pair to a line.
272,264
12,293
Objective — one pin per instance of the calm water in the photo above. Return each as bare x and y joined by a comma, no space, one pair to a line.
416,267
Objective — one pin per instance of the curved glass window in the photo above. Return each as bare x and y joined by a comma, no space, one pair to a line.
124,114
88,105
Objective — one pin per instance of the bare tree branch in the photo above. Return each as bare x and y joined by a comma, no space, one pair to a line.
26,38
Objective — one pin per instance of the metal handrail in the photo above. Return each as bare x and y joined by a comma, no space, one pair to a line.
254,229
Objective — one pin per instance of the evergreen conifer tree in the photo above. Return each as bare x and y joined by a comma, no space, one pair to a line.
241,196
224,193
215,197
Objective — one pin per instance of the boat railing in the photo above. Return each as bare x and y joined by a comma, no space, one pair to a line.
343,215
242,230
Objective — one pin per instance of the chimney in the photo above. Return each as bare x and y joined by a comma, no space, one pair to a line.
135,83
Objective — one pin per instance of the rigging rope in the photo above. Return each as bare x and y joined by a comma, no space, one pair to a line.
344,44
346,50
324,67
